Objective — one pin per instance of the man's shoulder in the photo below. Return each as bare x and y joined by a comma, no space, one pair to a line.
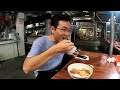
41,38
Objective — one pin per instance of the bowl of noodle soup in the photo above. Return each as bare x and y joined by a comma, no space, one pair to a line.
80,70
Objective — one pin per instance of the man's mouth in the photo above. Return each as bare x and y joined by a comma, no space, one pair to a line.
65,38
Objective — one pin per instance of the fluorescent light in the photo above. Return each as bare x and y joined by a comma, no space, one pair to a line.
29,26
108,31
36,24
86,11
87,15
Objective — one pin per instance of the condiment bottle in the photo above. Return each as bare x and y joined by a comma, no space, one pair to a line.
117,57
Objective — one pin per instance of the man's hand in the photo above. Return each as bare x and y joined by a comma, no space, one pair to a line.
64,46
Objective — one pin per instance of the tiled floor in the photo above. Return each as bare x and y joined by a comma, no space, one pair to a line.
12,69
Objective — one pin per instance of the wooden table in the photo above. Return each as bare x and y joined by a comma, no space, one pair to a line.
100,71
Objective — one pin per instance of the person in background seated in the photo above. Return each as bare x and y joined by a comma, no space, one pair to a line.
46,54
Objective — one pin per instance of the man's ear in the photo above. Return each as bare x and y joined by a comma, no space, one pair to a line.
52,29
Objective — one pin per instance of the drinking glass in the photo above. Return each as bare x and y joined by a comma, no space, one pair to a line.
104,58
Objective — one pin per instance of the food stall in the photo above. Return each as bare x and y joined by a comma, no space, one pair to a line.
11,35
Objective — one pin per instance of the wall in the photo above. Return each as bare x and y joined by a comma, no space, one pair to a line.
20,30
8,49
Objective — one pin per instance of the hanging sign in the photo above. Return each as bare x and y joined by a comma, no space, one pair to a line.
21,20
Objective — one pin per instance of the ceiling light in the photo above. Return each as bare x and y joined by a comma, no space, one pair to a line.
86,11
87,15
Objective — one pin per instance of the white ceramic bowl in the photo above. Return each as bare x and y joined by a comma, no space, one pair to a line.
72,51
80,66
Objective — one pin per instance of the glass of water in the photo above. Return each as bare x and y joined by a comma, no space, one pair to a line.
104,58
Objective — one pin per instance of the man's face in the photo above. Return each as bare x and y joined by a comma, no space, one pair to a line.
62,31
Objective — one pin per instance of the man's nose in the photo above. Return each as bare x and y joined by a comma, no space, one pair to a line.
67,33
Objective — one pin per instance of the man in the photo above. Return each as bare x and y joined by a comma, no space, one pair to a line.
47,52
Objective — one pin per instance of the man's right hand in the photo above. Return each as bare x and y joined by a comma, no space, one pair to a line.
64,46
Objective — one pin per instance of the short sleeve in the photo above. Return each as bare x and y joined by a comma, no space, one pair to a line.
36,47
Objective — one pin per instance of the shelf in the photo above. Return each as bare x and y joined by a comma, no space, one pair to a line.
86,26
8,42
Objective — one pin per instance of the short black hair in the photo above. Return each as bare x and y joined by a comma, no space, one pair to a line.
57,17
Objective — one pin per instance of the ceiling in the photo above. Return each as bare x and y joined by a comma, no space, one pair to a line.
100,16
103,15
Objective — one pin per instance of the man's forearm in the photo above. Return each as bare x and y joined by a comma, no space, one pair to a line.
36,62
